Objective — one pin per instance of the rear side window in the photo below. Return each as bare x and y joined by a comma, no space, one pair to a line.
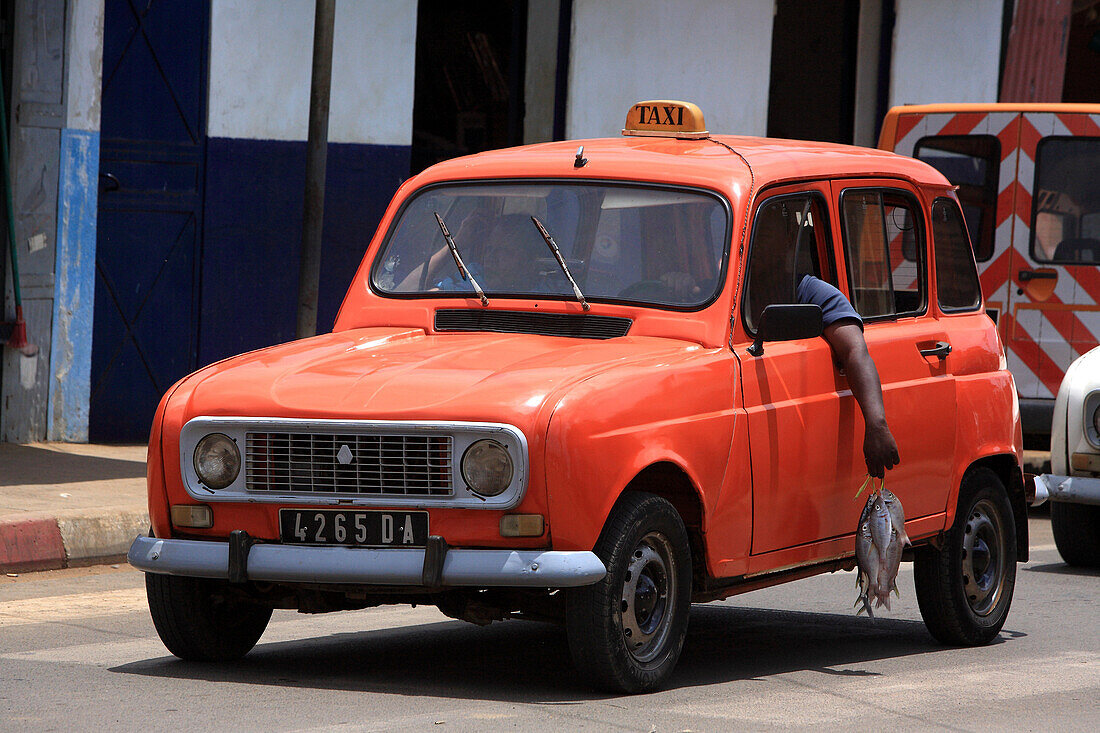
973,163
790,239
884,245
1066,220
957,287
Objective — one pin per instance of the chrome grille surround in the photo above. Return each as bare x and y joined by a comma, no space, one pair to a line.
398,463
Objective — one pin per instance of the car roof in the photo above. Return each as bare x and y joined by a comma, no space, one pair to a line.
717,161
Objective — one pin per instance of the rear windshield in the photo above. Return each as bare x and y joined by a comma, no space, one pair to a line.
620,243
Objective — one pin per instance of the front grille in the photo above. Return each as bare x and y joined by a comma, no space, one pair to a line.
382,465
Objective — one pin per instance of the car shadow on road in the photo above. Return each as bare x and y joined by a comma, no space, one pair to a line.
529,662
1061,568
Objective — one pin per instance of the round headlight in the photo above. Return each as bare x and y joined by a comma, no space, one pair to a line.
217,460
1096,419
487,467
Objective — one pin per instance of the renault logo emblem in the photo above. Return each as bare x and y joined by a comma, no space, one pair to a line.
344,456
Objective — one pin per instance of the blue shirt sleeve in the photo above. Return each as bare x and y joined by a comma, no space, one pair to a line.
456,283
834,306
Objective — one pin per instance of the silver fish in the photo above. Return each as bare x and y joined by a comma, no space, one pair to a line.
880,540
867,560
868,568
881,527
897,514
880,523
888,572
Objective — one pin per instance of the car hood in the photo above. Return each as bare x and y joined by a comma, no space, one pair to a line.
392,373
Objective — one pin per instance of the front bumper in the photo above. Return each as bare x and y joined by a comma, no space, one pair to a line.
274,563
1070,489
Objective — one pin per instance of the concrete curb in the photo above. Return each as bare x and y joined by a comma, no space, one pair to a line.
42,542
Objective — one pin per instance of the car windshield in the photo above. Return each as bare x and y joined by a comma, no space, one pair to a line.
649,245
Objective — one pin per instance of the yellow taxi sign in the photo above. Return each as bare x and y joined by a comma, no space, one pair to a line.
665,118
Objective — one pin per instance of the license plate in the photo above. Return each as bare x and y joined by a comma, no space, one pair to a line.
354,528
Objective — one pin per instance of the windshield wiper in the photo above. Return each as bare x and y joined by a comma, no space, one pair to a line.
466,274
561,261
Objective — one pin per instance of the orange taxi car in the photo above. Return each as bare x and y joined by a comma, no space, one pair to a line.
539,400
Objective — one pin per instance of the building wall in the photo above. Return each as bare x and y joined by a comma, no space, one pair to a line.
714,53
53,120
260,65
74,293
540,74
946,51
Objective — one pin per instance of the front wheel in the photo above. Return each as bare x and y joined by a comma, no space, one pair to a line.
1076,530
626,631
201,620
964,589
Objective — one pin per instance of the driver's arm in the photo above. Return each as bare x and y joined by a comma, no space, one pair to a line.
846,340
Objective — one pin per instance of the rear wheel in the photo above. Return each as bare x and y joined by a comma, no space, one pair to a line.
201,620
1076,532
964,589
626,631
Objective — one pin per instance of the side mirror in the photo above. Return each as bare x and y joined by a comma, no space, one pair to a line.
787,323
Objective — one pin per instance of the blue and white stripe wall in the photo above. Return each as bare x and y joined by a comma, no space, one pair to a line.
258,112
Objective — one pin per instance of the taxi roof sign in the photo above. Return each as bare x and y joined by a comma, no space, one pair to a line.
666,118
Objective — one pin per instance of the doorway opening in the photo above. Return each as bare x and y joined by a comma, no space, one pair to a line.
1082,82
468,94
813,70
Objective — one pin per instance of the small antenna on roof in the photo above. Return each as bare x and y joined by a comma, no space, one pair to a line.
580,160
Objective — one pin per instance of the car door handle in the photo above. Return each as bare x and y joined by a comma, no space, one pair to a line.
941,349
1026,275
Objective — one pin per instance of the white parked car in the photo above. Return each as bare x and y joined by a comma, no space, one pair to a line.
1073,486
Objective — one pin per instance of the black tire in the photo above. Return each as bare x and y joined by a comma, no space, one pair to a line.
1076,533
964,589
626,631
199,620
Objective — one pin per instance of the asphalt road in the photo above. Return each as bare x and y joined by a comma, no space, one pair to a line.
78,651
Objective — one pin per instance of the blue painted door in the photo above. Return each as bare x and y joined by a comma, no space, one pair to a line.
148,245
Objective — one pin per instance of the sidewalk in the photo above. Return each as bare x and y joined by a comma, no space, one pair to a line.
67,504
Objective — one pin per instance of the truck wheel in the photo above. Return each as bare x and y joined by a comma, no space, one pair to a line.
626,631
965,588
198,620
1076,532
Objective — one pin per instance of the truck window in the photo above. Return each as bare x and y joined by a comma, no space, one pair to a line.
957,285
790,239
885,252
973,163
1065,226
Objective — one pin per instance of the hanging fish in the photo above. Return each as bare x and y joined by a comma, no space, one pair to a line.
880,541
888,572
897,513
867,560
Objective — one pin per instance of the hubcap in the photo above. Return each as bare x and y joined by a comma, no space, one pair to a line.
984,558
649,590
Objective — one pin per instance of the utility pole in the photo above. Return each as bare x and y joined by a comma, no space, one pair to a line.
313,213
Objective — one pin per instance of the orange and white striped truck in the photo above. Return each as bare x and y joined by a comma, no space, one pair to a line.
1026,177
